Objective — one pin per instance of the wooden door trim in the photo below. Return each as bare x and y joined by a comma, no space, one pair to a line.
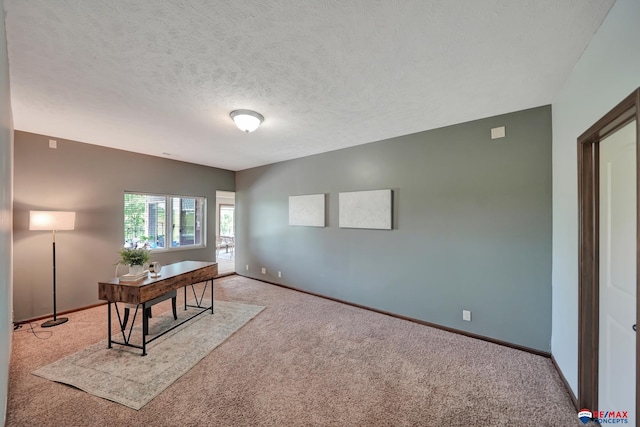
588,256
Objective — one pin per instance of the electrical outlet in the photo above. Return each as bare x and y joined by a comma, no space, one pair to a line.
247,267
466,315
279,273
264,270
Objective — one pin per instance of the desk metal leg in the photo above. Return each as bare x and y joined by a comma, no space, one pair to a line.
145,330
146,314
109,322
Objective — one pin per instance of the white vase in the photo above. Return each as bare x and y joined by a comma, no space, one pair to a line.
135,270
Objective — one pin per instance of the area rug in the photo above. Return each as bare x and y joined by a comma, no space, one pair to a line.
122,375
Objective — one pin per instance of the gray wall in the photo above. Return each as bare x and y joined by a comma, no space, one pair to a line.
6,180
472,227
90,180
608,71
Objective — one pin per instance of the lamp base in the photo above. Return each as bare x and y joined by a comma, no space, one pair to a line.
50,323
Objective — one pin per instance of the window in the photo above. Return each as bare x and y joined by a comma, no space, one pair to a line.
162,222
226,221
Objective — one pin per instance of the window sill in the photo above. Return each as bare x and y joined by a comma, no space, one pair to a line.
177,249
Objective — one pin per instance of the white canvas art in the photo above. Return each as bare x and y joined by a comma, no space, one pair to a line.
365,209
307,210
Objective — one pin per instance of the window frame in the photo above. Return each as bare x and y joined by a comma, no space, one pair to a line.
168,220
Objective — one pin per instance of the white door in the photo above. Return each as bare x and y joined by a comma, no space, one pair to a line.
617,355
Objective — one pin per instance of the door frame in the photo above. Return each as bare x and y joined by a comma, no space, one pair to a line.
588,256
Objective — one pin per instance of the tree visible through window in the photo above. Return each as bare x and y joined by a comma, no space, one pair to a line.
226,220
148,222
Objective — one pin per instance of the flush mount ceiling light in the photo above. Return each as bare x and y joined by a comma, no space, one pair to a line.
246,120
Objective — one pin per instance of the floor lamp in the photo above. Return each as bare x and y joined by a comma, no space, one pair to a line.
52,221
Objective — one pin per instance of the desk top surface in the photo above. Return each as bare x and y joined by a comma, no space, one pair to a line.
168,271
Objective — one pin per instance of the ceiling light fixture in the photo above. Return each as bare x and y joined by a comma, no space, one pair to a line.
246,120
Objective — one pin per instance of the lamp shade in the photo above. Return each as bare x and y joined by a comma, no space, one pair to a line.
51,220
246,120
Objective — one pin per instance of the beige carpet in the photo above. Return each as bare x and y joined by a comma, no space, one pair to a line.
122,375
305,361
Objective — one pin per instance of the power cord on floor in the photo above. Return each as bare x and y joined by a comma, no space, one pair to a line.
41,335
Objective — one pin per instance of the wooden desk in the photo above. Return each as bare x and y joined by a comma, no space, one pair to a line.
148,291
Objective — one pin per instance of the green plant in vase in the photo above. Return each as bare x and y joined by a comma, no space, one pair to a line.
135,258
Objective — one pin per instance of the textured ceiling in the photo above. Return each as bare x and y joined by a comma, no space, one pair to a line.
160,77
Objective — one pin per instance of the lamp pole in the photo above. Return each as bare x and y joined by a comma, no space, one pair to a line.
56,320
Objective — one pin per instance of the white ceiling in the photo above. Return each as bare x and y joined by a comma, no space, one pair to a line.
160,77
